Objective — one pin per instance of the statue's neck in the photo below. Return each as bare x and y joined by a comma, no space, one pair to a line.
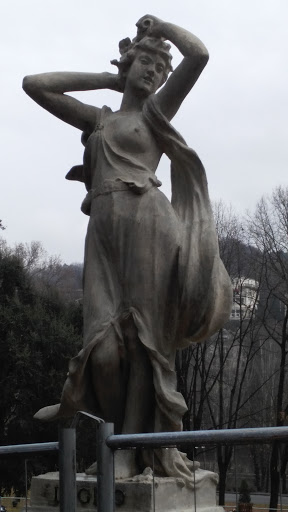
132,102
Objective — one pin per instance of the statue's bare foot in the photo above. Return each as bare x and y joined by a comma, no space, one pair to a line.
125,465
49,413
92,470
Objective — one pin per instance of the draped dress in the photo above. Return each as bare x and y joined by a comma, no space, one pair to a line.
147,257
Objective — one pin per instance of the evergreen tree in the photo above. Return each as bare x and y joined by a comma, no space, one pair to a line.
244,492
39,333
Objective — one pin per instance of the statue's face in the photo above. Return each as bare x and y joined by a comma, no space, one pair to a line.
146,72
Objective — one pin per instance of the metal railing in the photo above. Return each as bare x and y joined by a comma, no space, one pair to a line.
111,442
107,443
196,437
67,463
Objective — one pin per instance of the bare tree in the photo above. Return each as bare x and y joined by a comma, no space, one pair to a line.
217,378
269,232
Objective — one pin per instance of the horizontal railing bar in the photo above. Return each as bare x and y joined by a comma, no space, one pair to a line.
28,448
200,437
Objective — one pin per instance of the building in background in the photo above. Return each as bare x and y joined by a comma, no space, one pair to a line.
245,298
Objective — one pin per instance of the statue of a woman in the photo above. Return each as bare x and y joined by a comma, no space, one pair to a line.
153,279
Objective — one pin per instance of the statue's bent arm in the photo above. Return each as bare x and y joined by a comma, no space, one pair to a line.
187,73
48,89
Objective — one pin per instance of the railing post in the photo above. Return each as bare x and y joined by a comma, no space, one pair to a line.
105,470
67,467
26,486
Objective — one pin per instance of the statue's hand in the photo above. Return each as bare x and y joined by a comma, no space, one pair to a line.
149,25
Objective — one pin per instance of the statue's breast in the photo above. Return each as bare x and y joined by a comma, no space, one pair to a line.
128,132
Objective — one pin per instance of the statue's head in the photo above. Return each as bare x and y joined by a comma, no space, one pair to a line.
152,45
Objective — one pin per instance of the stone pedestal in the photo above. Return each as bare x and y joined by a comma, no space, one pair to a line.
131,495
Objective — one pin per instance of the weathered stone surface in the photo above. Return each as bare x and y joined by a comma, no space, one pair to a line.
153,278
134,495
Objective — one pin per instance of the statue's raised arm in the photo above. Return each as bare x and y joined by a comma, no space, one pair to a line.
48,90
195,58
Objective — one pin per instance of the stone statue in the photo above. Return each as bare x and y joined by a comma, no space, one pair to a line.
153,279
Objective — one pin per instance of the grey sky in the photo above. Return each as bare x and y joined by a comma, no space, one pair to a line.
235,117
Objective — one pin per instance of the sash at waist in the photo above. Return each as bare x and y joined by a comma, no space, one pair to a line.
109,186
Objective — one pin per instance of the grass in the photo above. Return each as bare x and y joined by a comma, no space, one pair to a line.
8,504
256,508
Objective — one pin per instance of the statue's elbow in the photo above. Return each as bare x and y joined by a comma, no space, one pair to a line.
204,57
29,85
26,83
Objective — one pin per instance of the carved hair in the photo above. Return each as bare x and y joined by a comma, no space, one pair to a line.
128,50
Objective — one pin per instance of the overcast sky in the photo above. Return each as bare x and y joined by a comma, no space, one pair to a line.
235,117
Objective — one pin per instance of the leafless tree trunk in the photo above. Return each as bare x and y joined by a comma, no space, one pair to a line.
213,377
269,232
